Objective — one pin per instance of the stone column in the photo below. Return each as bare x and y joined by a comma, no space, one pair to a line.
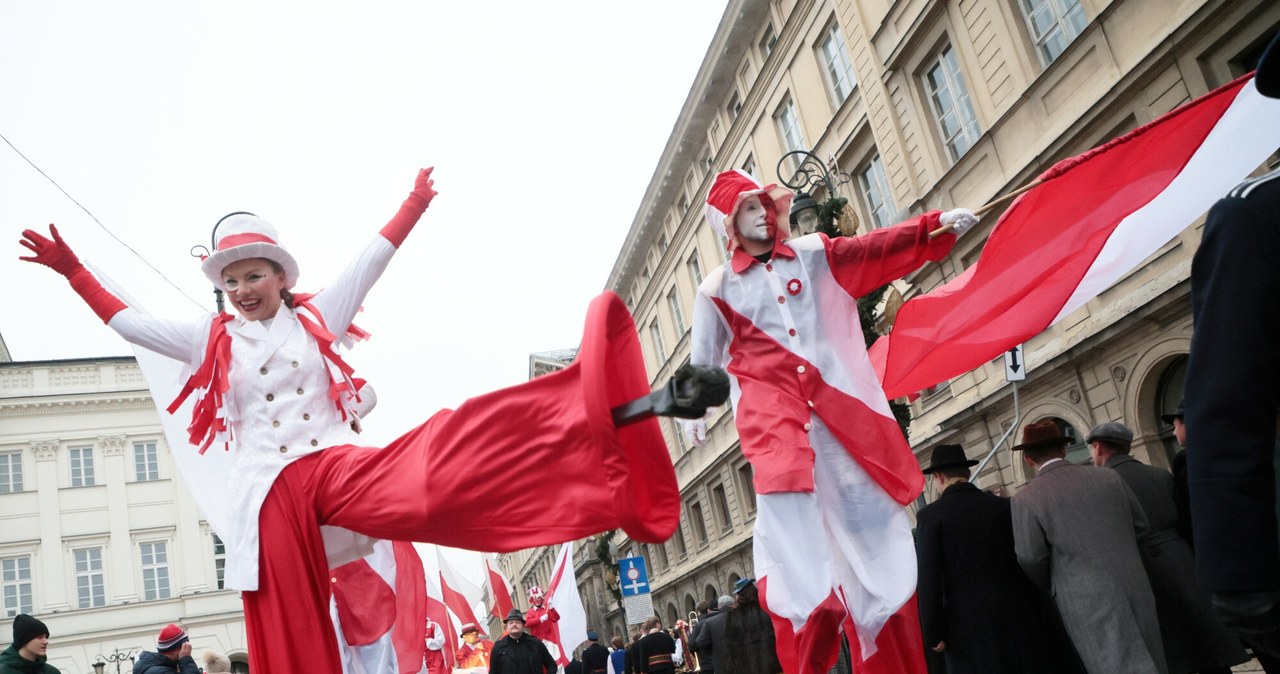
121,562
52,559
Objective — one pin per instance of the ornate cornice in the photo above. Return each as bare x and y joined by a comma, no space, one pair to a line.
19,407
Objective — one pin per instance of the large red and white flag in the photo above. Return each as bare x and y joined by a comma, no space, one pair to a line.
438,611
1095,217
460,595
499,589
562,595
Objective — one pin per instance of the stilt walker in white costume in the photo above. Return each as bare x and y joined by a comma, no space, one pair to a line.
272,389
833,548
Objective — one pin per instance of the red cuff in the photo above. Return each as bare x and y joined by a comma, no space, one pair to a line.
397,230
103,303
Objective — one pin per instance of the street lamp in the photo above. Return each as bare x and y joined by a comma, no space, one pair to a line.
809,173
117,656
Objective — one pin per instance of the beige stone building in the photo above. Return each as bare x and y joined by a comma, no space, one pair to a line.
98,537
918,105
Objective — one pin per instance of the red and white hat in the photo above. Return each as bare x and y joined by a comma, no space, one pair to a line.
244,236
728,192
535,592
171,637
468,627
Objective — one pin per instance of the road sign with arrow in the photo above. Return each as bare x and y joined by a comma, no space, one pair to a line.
1015,365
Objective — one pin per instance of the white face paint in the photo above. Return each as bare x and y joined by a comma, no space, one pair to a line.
750,221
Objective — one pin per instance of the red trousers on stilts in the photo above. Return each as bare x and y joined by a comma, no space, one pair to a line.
556,431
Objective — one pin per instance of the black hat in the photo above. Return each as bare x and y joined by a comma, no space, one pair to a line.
1177,414
515,614
26,628
1267,78
1042,434
948,456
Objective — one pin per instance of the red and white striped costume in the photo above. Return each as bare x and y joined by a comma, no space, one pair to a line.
832,469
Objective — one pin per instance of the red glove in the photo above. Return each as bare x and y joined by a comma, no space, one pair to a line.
423,192
57,255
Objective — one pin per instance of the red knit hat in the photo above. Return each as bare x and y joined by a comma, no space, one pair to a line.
170,638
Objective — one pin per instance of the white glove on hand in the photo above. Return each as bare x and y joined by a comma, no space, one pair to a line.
960,219
696,431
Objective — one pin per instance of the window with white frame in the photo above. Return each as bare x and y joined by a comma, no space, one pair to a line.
146,461
90,587
659,349
767,42
788,122
694,265
875,190
949,98
677,313
834,56
219,561
750,166
81,459
10,472
155,570
15,581
1054,24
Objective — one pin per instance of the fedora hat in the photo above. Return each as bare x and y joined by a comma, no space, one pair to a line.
948,456
1040,435
1267,78
515,614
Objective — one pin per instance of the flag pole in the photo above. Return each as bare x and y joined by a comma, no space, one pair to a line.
987,207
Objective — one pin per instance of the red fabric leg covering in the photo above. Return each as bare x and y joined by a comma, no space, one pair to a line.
813,649
287,617
900,646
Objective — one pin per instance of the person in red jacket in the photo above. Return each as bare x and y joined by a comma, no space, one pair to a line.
541,621
433,656
475,651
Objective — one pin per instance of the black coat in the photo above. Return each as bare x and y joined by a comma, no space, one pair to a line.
749,644
1193,638
656,650
973,594
633,658
1233,389
595,659
705,664
710,642
526,655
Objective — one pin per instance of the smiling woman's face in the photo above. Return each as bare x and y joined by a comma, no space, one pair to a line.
254,286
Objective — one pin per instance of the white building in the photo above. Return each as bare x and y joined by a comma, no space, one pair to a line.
98,537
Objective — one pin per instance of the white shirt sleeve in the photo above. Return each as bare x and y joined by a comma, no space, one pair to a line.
178,340
339,302
710,338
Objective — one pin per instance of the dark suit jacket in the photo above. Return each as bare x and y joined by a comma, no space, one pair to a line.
974,596
1232,391
1193,638
595,659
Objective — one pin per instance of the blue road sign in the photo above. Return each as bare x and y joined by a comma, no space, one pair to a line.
633,575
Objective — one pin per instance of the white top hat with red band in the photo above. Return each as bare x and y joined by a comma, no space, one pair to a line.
728,192
244,236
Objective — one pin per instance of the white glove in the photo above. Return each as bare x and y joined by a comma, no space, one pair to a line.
696,431
960,219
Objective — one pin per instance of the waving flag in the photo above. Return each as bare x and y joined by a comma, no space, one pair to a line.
460,594
562,594
1095,217
499,589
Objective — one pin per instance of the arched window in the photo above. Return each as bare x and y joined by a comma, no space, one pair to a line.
711,594
672,615
1169,392
690,606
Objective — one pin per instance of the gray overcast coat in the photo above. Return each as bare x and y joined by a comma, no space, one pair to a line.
1076,531
1193,639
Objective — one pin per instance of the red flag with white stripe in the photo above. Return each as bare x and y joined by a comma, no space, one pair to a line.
1095,217
499,589
562,595
460,594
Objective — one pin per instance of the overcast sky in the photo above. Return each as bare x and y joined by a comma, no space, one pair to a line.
544,121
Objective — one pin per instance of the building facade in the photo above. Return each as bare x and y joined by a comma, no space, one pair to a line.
98,537
917,105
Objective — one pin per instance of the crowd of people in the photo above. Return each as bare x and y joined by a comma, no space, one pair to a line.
29,652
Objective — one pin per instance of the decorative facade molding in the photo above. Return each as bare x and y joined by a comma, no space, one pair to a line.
112,445
45,450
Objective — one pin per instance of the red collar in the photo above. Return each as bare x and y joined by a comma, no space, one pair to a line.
742,260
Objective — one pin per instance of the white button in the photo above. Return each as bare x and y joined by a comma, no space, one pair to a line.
808,426
810,403
800,369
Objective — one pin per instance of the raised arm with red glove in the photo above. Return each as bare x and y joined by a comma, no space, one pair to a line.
57,255
423,192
